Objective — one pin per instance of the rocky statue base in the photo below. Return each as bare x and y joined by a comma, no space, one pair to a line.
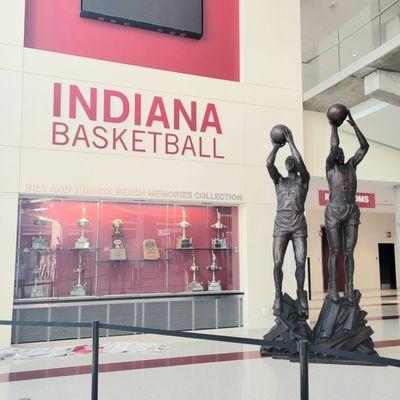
291,325
342,325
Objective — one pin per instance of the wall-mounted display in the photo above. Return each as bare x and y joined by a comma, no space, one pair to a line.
76,247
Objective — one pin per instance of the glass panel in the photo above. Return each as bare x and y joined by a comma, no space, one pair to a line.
74,248
359,43
390,21
359,20
323,67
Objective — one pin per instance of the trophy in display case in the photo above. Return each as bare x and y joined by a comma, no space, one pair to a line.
150,250
220,241
82,242
79,289
214,285
117,251
194,286
184,242
37,291
39,244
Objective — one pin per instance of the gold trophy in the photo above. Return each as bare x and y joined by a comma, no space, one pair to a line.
184,242
117,251
214,285
82,242
150,250
220,241
194,286
79,289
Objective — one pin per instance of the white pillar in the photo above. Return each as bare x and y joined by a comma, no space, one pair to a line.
397,212
11,61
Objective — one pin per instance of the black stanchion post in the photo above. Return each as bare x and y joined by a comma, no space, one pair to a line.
303,352
95,359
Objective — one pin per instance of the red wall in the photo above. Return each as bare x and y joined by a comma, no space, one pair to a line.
55,25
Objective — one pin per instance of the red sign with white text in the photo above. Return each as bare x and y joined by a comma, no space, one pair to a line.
364,200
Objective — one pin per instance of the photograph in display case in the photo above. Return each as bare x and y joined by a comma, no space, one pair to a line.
70,247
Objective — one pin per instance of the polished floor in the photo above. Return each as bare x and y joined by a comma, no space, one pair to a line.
192,369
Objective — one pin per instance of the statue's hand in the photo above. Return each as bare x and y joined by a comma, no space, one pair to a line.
288,135
350,119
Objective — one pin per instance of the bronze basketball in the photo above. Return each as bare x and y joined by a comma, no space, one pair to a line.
277,134
337,113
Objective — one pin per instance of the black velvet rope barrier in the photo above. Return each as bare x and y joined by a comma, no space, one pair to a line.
292,346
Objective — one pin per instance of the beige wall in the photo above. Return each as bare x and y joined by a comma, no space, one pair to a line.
11,54
270,92
371,232
377,166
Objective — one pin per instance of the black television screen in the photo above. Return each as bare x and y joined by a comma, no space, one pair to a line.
177,17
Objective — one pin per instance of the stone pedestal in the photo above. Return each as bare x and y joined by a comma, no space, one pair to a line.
343,326
290,325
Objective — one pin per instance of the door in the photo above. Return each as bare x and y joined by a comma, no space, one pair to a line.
325,257
387,265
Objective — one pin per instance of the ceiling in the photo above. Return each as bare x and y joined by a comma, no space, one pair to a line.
380,121
320,18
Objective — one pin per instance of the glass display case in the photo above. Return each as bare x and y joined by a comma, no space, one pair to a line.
101,248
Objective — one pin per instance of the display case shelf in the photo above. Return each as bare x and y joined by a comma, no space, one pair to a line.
133,261
201,249
137,228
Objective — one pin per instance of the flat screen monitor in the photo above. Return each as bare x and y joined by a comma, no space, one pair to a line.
175,17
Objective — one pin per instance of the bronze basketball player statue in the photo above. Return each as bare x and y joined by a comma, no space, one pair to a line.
290,223
341,323
342,215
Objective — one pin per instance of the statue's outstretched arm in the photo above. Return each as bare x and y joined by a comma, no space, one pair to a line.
364,146
297,156
330,161
273,171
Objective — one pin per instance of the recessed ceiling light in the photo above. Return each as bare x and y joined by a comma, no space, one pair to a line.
354,55
332,4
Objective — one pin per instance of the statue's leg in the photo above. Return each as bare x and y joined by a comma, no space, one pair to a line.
300,254
279,249
350,241
334,236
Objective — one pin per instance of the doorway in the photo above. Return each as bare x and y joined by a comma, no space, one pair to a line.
387,266
340,280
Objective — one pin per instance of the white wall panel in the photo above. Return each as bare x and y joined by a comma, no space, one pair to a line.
8,235
272,50
68,173
11,57
9,169
110,73
13,22
10,101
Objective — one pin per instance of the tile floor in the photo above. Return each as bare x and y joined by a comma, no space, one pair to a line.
192,369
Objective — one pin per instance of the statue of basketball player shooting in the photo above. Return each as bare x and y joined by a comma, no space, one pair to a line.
342,215
290,222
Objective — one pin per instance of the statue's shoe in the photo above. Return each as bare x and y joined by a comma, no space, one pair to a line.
303,301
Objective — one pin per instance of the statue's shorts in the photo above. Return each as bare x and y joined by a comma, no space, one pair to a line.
341,214
290,223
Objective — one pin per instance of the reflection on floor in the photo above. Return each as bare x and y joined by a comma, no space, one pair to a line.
199,369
